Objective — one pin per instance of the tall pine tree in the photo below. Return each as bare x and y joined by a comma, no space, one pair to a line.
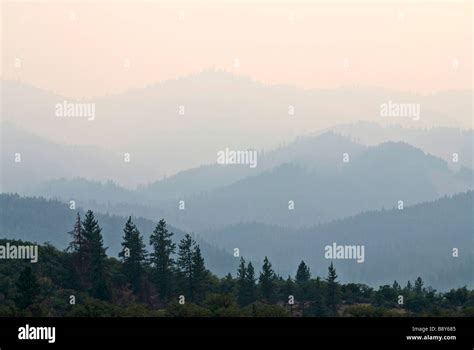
133,255
185,264
162,258
199,275
332,290
77,248
250,284
266,281
241,282
418,288
95,257
302,278
302,274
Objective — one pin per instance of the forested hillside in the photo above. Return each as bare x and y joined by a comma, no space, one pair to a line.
40,220
399,244
172,281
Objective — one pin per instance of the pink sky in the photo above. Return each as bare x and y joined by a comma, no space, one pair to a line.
83,50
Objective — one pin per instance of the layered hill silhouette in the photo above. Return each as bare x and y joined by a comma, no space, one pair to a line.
442,142
40,220
399,244
310,172
219,110
43,160
380,176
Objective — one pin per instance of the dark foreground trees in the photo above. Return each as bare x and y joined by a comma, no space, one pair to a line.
27,288
162,260
172,280
133,255
89,256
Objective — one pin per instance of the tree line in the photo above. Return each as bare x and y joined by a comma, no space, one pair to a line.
172,280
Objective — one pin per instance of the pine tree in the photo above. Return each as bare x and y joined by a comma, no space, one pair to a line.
241,282
332,290
246,283
396,286
161,258
250,286
133,255
242,271
302,274
266,281
96,257
27,288
76,235
418,288
199,274
302,278
185,264
227,284
78,250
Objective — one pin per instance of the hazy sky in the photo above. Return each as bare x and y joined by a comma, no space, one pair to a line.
91,49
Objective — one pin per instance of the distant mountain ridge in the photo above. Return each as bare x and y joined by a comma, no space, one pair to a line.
399,244
219,110
442,142
43,160
311,172
378,177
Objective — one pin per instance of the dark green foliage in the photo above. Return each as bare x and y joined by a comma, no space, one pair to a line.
95,257
222,305
266,281
185,265
163,249
241,279
418,286
302,274
37,219
332,295
78,250
105,289
133,255
27,288
289,287
191,269
246,283
302,279
199,275
228,285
